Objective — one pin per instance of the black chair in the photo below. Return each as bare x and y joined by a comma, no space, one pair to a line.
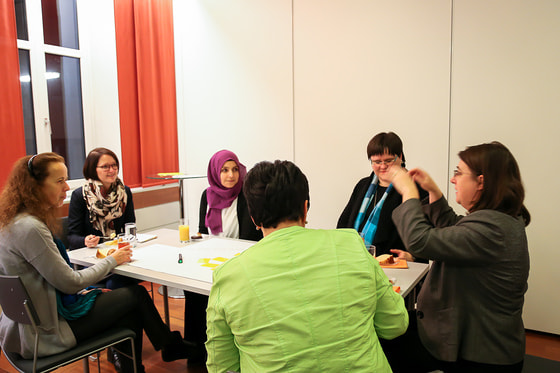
17,306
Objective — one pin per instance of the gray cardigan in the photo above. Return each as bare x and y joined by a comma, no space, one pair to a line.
27,249
471,303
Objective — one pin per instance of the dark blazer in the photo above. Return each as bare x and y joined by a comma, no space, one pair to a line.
79,225
247,229
386,237
471,304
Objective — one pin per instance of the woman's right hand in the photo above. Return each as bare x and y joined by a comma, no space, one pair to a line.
123,254
91,240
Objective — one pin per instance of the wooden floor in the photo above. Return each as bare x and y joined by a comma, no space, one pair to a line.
538,344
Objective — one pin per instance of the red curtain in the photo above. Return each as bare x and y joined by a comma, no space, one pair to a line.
12,140
147,96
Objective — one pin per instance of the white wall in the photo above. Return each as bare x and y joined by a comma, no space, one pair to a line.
234,84
314,83
361,69
506,87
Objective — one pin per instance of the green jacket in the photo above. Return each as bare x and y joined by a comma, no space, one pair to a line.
302,300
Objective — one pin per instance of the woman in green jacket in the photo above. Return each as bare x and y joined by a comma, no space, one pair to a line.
299,300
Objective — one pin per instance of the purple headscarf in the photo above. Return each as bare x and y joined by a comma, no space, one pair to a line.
219,197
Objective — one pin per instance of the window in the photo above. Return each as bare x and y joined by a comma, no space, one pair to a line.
51,83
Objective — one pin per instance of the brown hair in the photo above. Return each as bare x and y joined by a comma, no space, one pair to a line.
22,191
502,186
92,159
385,142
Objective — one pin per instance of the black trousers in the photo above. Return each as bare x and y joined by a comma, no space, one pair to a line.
407,354
195,317
129,307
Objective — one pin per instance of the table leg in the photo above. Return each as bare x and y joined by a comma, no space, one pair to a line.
165,305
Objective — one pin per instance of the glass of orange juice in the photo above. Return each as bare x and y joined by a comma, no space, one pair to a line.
184,233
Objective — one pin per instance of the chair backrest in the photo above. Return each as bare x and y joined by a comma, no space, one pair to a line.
64,234
15,301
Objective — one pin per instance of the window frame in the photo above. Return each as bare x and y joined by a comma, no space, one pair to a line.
38,49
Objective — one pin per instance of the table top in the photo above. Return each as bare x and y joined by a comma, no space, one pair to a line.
157,261
174,175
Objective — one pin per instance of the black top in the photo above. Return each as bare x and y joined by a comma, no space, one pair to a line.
386,236
247,229
79,225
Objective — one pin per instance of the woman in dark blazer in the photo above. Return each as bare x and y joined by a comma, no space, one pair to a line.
101,207
469,312
224,213
373,199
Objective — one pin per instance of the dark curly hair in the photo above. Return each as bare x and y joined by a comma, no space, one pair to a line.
275,192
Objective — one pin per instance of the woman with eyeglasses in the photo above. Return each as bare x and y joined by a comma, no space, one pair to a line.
374,198
103,205
469,311
70,310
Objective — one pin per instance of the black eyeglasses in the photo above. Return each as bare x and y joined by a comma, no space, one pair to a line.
106,167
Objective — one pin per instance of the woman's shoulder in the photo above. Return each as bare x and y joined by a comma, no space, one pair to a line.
25,223
493,216
366,180
78,192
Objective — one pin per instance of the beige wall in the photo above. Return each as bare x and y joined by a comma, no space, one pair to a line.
315,82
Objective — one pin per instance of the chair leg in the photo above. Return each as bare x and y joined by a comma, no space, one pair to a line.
85,364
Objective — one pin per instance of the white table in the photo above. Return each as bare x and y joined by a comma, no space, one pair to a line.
191,276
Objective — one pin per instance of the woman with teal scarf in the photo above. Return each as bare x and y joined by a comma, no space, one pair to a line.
374,198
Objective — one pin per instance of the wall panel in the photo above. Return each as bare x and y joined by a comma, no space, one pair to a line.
506,87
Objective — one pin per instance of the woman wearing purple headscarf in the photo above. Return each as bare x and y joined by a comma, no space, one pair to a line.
223,212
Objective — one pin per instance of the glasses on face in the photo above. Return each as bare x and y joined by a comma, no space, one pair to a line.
106,167
457,172
386,162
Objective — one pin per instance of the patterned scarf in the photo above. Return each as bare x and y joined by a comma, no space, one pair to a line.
104,207
368,232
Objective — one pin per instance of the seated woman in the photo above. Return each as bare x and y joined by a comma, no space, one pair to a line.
34,190
300,299
223,209
469,312
100,209
374,198
223,212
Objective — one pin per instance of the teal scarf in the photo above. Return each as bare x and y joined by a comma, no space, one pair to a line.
368,232
73,306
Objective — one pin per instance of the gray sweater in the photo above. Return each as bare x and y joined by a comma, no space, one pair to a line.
27,249
471,303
